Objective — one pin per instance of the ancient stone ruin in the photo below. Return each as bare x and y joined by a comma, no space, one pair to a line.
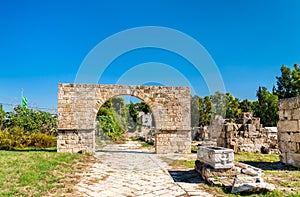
289,130
78,105
216,166
242,135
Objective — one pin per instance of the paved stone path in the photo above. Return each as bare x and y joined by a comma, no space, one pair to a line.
126,170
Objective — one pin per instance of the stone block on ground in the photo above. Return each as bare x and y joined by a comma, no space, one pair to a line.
216,157
250,184
240,178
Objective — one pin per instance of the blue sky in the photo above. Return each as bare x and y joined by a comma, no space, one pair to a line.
43,43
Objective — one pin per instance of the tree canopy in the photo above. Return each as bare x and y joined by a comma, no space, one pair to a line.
288,84
116,117
266,107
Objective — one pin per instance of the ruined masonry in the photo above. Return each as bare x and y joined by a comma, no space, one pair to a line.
245,134
248,135
78,105
289,130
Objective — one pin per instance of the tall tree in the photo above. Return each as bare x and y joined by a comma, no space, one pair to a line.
142,106
119,105
225,105
246,106
266,107
288,84
232,106
219,104
201,110
205,119
295,81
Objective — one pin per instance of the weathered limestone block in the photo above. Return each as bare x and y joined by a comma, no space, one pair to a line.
209,173
283,146
75,141
296,114
241,177
293,159
250,184
216,157
295,137
173,142
288,125
290,103
288,134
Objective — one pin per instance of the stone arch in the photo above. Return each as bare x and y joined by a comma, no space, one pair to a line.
78,105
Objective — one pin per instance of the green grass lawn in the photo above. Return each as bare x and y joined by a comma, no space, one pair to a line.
256,157
34,173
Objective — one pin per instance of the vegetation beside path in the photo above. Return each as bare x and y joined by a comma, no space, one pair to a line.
40,172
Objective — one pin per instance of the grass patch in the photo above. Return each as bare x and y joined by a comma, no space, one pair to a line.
183,163
194,149
145,144
256,157
134,139
34,173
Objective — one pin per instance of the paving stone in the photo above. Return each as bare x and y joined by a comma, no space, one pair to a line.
132,173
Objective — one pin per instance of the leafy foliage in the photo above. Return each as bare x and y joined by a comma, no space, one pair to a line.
31,121
16,138
219,103
246,106
266,107
204,109
232,106
116,117
27,128
225,104
201,111
288,84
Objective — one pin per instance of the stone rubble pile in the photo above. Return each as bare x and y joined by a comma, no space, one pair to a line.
242,135
216,166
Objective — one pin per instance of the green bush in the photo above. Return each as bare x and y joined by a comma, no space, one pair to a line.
13,138
31,121
16,138
41,140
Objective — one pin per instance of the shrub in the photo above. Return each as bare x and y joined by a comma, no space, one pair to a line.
31,121
16,138
41,140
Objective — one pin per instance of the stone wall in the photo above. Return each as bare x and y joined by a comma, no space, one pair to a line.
289,130
173,142
248,135
78,105
76,141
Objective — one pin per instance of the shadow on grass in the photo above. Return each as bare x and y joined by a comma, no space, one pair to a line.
271,165
186,176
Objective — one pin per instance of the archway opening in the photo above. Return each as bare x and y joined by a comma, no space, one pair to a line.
123,118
